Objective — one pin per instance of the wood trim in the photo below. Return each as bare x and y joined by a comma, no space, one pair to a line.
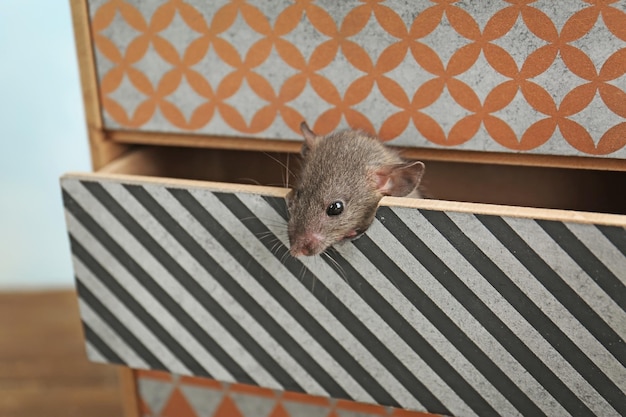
503,158
424,204
508,211
128,391
452,155
205,141
134,159
103,150
181,183
84,50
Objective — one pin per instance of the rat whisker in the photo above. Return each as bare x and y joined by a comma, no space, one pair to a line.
277,245
275,223
248,181
279,162
265,236
285,255
245,219
335,264
288,172
270,243
302,273
280,207
275,184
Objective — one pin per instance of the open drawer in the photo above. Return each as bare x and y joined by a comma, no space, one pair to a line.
443,306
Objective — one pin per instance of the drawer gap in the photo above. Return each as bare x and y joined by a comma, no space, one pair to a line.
525,186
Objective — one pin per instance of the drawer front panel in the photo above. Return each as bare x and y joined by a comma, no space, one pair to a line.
162,394
448,312
496,76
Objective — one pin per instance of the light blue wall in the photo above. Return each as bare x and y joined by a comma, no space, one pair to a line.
42,135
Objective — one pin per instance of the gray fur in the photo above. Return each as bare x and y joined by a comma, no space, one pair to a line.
337,167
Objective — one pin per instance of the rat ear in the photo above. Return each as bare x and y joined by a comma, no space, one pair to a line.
399,180
310,138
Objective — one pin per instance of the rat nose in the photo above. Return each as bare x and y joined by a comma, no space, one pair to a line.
306,245
301,251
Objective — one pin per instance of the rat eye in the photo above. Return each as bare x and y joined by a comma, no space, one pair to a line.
335,208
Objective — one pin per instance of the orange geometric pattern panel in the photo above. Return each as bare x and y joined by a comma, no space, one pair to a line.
161,394
546,77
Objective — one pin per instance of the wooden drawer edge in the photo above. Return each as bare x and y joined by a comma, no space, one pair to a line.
423,204
453,155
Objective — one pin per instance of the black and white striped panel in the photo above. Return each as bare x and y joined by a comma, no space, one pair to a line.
452,313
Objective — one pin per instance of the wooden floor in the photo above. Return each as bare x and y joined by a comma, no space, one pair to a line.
43,370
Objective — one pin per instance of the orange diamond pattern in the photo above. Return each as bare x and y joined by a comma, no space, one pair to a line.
506,76
166,395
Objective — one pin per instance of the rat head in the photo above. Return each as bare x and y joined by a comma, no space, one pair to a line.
343,177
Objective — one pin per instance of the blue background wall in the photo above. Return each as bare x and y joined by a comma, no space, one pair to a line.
42,135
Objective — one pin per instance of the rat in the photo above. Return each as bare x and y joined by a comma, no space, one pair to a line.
343,177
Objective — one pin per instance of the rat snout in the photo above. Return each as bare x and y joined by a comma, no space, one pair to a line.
307,244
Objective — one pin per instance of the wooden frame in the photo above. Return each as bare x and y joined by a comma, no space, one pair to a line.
103,150
128,392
